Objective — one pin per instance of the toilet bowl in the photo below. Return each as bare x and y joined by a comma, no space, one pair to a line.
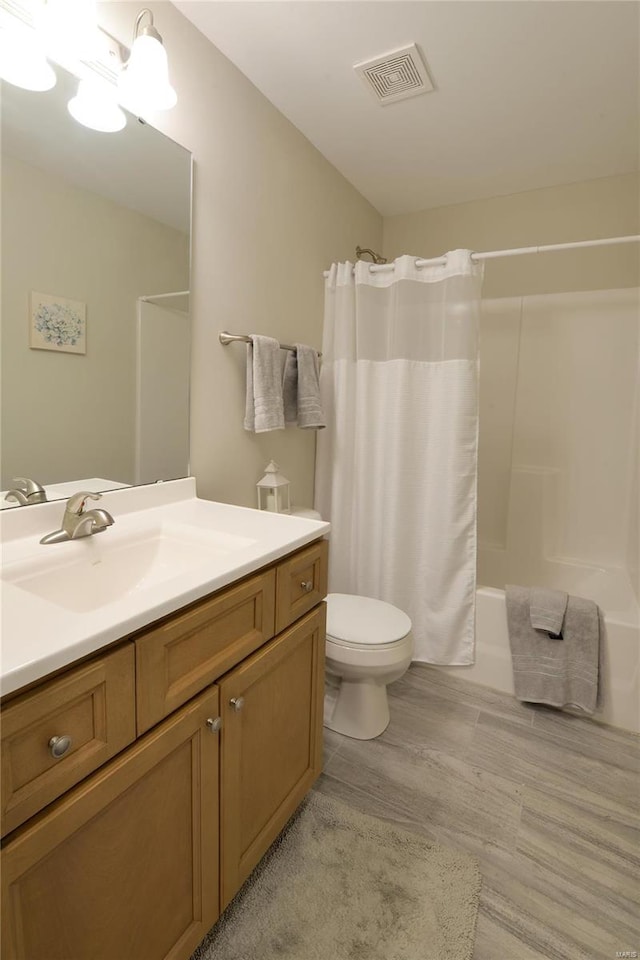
369,645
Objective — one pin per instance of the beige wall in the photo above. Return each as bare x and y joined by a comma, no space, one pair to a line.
270,214
609,207
69,415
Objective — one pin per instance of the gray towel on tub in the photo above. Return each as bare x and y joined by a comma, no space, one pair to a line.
264,407
310,415
547,609
561,673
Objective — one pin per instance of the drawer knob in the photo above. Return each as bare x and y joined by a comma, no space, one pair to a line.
237,703
214,724
58,746
307,585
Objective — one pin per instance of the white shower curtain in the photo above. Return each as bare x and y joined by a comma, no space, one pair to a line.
397,465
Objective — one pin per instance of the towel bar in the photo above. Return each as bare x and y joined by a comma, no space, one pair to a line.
227,338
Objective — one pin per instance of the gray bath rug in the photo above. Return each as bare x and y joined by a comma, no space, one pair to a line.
339,885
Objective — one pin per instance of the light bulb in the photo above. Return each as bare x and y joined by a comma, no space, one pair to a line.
94,106
144,83
22,60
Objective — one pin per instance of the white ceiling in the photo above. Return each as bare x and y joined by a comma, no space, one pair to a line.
527,94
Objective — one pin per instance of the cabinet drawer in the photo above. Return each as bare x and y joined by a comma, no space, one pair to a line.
93,705
190,650
301,583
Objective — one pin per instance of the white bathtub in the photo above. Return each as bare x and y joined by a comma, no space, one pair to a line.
612,591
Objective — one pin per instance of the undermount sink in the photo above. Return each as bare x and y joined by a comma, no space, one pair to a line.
106,569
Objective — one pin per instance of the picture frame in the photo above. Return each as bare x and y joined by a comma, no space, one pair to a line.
57,323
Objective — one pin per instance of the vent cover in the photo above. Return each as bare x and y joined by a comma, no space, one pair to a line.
395,75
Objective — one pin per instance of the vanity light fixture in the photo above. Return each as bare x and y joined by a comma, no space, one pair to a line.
22,60
144,81
95,106
70,29
67,32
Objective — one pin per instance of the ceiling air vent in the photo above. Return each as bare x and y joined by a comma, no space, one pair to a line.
396,75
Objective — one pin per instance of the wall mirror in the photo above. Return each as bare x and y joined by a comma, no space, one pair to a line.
95,307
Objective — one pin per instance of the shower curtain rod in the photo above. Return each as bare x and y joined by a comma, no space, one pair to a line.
516,252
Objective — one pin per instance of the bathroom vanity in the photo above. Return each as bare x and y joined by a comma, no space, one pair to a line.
142,782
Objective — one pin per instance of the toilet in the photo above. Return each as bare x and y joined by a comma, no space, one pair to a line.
369,645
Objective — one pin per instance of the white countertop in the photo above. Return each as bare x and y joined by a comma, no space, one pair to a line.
214,543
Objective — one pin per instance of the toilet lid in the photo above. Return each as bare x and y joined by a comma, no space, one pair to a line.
364,620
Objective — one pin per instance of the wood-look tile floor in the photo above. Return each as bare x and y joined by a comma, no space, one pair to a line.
547,802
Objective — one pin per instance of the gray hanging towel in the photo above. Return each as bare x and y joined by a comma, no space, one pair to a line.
310,414
264,407
559,673
290,389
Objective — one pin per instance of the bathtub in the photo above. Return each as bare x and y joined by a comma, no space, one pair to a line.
610,589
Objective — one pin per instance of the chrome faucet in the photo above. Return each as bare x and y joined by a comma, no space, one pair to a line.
78,522
26,491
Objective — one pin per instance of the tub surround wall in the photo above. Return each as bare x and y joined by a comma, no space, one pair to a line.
270,214
557,431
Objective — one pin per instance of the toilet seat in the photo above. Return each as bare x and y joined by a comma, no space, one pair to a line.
354,621
368,657
353,645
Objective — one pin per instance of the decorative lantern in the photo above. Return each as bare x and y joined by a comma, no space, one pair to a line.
273,490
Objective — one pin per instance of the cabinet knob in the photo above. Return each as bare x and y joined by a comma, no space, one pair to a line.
237,703
307,585
58,746
214,724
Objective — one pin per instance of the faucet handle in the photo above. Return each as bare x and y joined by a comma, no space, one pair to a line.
76,503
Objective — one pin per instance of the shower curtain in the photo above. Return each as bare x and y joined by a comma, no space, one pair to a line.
397,465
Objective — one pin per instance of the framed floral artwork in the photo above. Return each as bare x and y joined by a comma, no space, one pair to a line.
57,324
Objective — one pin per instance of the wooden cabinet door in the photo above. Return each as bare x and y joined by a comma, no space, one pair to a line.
271,707
125,866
